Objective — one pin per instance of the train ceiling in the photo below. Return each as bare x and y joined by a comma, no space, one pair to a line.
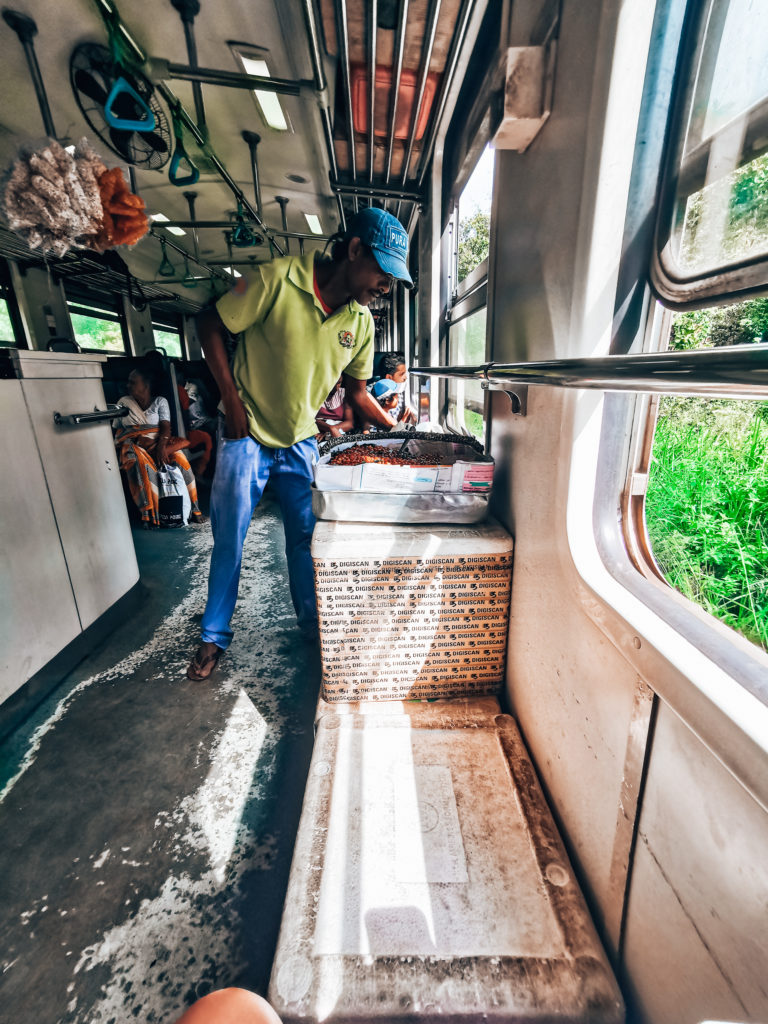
343,143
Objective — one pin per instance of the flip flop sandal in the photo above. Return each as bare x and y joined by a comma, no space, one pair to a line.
201,668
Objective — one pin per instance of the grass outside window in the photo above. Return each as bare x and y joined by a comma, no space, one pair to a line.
707,501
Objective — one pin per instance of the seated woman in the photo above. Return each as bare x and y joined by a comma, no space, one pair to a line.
143,440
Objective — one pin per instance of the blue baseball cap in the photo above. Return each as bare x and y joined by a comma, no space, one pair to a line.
387,237
383,387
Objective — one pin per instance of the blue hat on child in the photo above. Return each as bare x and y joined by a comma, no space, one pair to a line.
385,386
387,237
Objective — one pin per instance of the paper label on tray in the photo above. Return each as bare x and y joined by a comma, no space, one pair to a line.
412,627
478,476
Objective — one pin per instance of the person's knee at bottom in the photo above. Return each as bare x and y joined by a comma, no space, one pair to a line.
230,1006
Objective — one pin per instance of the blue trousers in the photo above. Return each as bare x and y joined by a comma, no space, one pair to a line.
243,467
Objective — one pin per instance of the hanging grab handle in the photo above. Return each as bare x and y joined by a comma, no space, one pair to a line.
180,155
124,88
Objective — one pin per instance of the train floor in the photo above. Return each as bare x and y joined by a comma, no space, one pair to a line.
148,821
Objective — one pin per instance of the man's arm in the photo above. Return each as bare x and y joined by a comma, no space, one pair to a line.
210,331
366,409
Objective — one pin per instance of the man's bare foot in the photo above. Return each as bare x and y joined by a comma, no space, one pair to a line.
204,662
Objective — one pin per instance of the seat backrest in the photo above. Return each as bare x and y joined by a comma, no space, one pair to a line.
63,345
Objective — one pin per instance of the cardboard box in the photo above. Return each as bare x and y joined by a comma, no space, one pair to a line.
459,468
411,611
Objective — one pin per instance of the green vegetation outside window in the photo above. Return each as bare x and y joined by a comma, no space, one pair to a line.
474,216
7,334
466,398
169,340
706,508
96,329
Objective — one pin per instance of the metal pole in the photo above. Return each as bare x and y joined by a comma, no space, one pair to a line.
227,79
252,139
191,197
429,42
238,193
26,29
373,14
448,76
377,192
342,33
739,371
189,123
209,225
188,10
395,93
183,252
283,202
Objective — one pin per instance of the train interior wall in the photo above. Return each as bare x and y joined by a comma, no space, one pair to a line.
586,684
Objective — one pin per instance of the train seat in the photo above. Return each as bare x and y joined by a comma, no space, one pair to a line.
429,882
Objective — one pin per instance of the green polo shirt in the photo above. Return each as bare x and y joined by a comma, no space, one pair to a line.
291,354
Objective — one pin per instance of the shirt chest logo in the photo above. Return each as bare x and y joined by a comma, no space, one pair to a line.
346,339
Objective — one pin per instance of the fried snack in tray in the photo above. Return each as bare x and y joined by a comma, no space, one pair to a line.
359,453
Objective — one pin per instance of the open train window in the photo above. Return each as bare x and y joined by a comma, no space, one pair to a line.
466,314
702,482
712,233
97,328
10,330
168,334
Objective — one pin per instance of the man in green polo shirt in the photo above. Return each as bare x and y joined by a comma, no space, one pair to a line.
304,323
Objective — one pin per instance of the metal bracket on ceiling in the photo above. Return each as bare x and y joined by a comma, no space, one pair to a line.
516,393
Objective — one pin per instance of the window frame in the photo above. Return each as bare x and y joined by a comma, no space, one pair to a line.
108,311
727,282
8,294
170,322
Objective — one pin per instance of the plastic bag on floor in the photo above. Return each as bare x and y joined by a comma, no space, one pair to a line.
174,504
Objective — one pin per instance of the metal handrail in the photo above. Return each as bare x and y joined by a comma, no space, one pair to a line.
733,372
74,419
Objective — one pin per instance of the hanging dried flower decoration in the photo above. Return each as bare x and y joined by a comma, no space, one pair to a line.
58,201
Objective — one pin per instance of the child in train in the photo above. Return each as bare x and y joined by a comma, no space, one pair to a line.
391,366
385,393
335,416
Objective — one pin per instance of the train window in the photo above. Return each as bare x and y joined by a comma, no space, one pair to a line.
10,331
474,218
713,223
467,313
7,335
466,398
706,506
97,329
169,340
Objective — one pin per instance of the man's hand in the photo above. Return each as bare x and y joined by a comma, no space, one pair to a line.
236,417
367,409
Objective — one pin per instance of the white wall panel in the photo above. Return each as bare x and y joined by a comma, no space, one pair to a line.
83,475
37,607
697,926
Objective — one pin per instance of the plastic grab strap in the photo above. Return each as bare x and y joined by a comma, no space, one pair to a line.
180,155
147,121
